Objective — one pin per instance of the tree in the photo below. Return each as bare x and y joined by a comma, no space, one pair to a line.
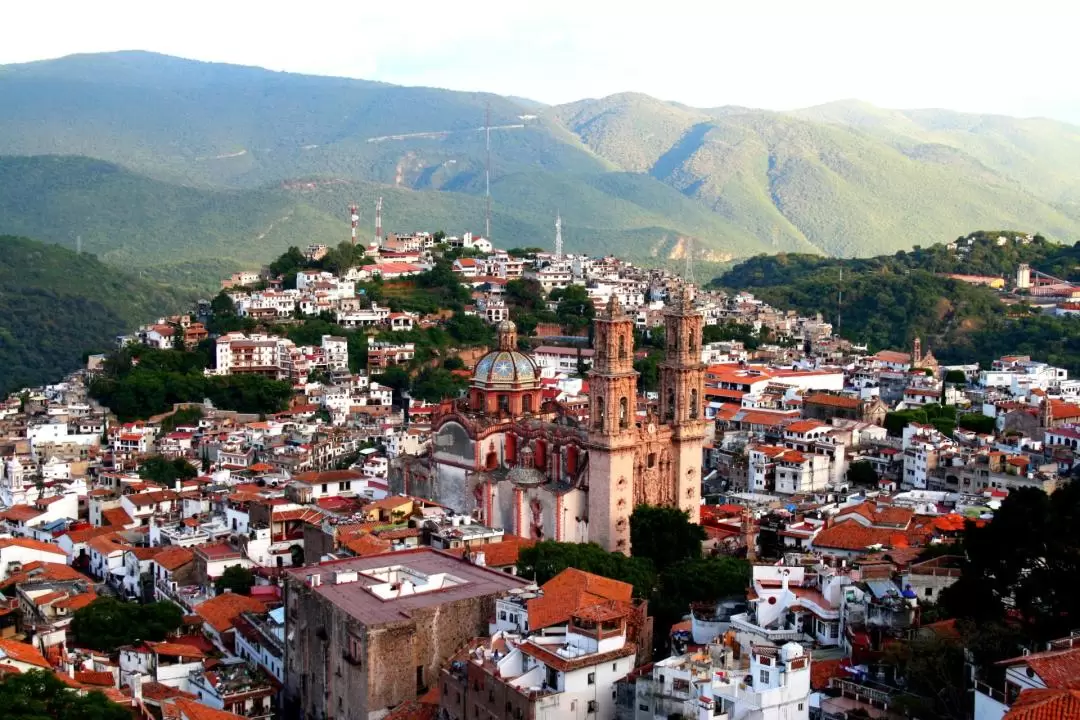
166,472
664,535
107,623
525,293
934,676
575,309
237,579
469,329
648,369
437,384
861,472
394,377
978,423
956,377
548,558
40,694
453,363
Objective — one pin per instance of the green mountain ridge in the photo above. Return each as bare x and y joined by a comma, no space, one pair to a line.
628,172
56,305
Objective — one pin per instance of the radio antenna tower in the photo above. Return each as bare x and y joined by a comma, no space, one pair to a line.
558,236
354,216
487,173
378,222
839,299
688,273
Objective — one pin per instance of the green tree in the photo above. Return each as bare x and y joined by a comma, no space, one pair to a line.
40,695
548,558
648,369
394,377
235,578
933,669
108,623
575,309
956,377
469,329
978,423
861,472
166,472
437,384
664,535
453,363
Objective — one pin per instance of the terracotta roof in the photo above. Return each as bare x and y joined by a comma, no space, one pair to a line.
944,629
316,478
891,515
839,401
221,612
821,671
175,649
156,692
181,708
562,664
43,571
108,544
367,544
505,553
850,535
22,652
20,513
173,557
570,591
151,498
92,677
804,426
1059,669
892,356
77,602
116,517
1045,705
30,544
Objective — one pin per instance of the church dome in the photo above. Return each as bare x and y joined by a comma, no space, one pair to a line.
508,369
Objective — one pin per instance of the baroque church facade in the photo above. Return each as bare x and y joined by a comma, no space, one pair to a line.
516,462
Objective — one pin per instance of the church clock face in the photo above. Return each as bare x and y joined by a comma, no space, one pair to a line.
652,428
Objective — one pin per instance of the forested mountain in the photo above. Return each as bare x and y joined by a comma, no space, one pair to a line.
627,172
56,305
889,300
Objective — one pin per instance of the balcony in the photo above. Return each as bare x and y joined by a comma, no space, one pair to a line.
742,622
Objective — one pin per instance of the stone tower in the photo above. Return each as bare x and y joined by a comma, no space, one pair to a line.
916,354
682,391
611,443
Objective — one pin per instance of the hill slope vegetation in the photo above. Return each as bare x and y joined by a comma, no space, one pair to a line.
55,306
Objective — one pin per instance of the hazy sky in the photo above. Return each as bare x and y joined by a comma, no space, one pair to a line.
1017,58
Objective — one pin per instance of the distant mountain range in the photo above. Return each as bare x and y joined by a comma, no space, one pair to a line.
199,167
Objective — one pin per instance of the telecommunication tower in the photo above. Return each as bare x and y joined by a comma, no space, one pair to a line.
354,216
378,222
688,273
558,237
487,173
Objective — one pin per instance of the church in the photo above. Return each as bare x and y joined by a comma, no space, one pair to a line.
516,462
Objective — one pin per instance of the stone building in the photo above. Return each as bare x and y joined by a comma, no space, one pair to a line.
369,633
536,470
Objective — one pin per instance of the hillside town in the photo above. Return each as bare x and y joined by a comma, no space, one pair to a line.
372,549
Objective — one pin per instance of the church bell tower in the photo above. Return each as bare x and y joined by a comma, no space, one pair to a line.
682,391
612,410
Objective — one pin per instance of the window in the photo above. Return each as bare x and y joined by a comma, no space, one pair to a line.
598,421
504,403
614,667
526,403
593,705
325,488
800,706
592,678
764,677
624,412
693,403
502,615
347,485
622,347
652,460
669,411
929,592
643,706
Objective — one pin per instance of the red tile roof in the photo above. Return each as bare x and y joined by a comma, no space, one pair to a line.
20,513
221,612
181,708
173,557
30,544
1045,705
22,652
838,401
116,517
92,677
570,591
1059,669
43,571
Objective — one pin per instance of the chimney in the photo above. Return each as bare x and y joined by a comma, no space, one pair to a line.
479,558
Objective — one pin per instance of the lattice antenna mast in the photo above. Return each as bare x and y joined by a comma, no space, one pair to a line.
839,299
378,222
354,216
487,173
558,236
688,273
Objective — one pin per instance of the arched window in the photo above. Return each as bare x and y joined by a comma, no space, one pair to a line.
624,412
598,410
526,403
504,403
622,347
669,411
690,341
693,403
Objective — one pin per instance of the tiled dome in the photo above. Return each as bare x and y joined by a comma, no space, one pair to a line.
506,368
